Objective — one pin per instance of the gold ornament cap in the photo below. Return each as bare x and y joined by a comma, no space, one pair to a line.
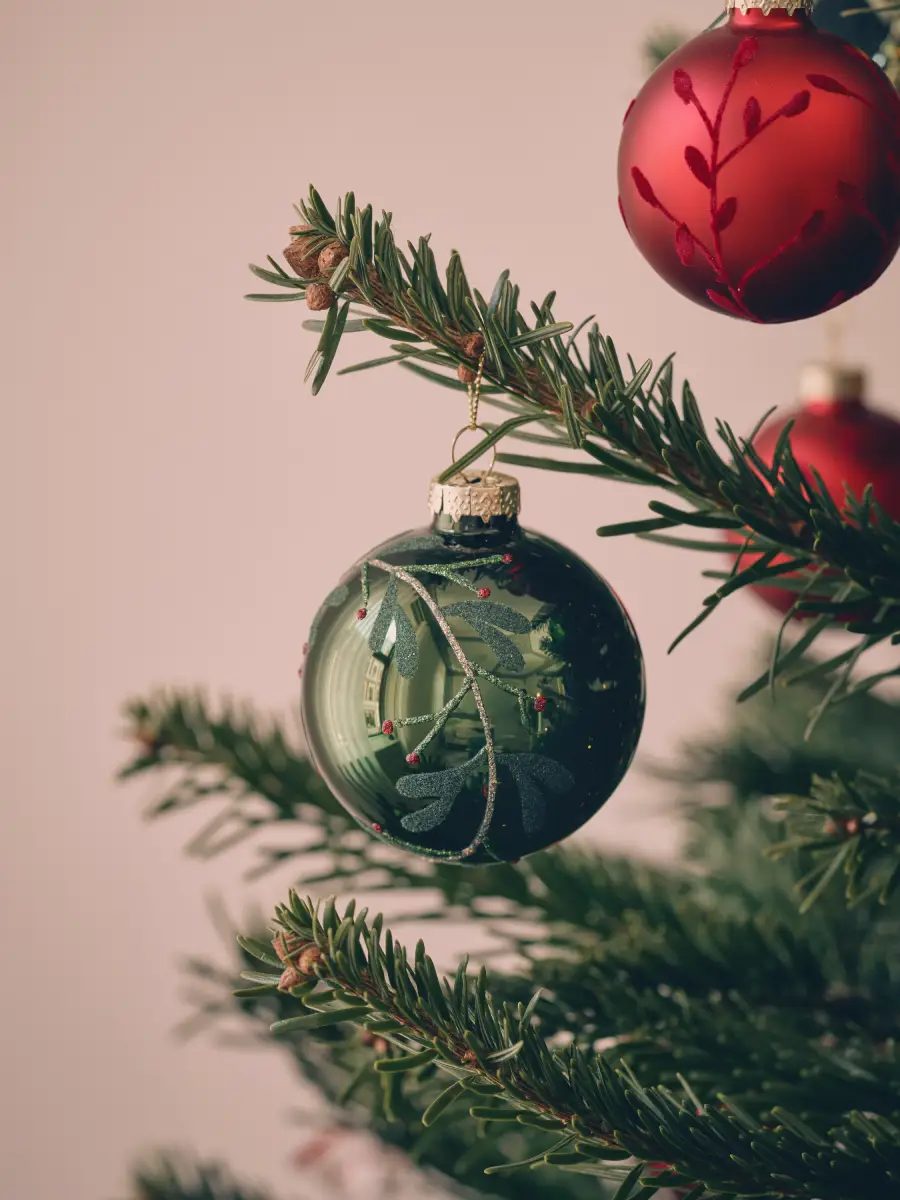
467,495
770,6
825,384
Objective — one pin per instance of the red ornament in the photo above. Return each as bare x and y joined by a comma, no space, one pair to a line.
507,558
484,593
846,442
540,703
362,614
759,168
413,760
387,728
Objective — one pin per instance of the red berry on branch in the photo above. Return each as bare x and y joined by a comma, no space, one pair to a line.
377,828
483,593
507,558
387,728
362,614
540,703
852,826
413,759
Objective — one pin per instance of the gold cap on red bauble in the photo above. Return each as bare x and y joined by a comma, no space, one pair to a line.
768,6
824,384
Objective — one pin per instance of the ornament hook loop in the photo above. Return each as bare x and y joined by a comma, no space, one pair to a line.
476,429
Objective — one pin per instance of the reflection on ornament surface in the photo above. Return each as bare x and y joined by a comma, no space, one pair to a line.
473,698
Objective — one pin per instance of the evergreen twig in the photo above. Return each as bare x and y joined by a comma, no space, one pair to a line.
627,424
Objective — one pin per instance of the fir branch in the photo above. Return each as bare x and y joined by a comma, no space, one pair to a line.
603,1112
852,829
235,757
174,1177
631,425
341,1062
264,782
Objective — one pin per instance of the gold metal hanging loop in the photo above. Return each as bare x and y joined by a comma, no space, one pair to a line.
478,429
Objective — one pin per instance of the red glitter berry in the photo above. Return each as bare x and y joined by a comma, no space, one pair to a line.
387,728
413,760
507,558
378,829
483,593
540,703
362,614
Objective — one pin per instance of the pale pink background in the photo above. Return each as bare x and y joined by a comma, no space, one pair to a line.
176,503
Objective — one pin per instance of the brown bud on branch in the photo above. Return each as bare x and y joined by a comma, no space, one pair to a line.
330,257
319,297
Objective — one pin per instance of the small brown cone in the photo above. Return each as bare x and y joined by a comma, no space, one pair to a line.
466,373
286,945
330,257
290,978
319,297
309,960
472,345
303,264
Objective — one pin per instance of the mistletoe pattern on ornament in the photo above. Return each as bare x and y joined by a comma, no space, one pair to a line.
729,293
535,776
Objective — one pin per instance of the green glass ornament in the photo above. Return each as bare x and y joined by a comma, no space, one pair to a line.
473,692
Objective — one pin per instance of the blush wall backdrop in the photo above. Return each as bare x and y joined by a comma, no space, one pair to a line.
175,502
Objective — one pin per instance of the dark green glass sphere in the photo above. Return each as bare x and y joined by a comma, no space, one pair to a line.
473,697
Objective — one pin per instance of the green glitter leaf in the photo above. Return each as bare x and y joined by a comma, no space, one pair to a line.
535,775
445,785
406,648
333,600
336,598
487,619
385,616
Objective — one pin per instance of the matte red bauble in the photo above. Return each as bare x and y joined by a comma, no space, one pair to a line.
759,168
848,443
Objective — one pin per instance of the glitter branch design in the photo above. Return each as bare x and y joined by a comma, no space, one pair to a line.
489,620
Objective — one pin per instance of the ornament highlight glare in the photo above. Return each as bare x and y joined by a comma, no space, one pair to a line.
473,691
759,167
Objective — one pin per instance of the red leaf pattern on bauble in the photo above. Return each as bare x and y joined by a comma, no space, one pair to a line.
726,214
696,160
826,83
685,245
814,224
684,85
746,53
752,117
725,302
796,105
642,183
